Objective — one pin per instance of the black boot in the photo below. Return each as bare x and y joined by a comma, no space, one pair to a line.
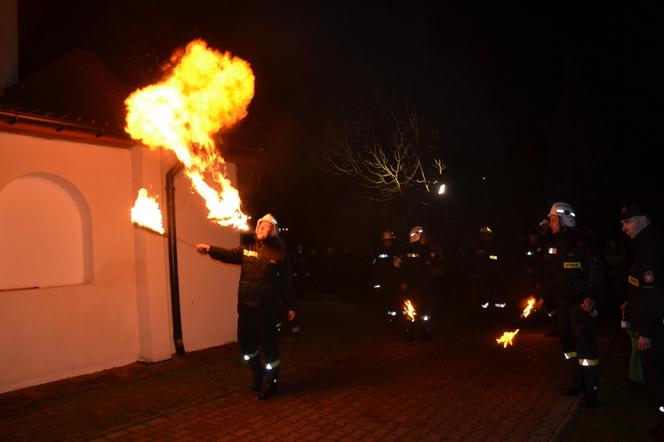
426,333
657,432
409,333
554,324
269,385
576,384
256,372
589,398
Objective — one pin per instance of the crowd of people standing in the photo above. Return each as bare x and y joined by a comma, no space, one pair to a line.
572,274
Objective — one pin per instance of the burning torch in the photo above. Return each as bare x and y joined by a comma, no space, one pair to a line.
507,338
146,215
529,308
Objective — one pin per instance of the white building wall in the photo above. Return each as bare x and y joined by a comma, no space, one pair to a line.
56,332
208,288
122,313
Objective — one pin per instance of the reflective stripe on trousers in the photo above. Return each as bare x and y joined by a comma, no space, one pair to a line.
250,355
271,365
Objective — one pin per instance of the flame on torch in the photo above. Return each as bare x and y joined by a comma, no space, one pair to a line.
409,310
529,308
506,338
205,92
146,213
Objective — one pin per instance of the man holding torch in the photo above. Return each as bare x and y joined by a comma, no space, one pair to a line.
570,284
265,277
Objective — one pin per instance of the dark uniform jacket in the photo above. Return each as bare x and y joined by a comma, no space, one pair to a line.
645,278
486,263
265,272
385,266
569,268
418,262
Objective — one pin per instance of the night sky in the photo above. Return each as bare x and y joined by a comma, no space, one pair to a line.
546,103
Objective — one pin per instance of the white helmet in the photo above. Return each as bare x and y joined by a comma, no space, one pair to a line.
565,212
387,235
415,233
270,219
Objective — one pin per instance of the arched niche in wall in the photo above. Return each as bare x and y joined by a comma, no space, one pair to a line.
45,233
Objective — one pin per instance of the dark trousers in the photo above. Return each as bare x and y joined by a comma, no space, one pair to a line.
256,326
653,369
578,331
389,293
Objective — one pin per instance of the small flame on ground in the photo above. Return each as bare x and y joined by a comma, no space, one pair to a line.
146,212
506,338
205,92
409,310
529,308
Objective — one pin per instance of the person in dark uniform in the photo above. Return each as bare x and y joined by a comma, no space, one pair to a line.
645,301
530,264
265,276
546,240
486,272
300,272
385,271
419,259
570,284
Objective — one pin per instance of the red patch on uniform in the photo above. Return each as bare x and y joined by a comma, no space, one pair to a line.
648,277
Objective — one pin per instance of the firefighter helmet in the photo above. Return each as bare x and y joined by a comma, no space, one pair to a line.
486,230
565,212
268,217
415,233
387,235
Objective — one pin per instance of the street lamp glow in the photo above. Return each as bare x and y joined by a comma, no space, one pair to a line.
441,189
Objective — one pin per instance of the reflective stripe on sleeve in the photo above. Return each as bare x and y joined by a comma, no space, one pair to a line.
571,355
589,362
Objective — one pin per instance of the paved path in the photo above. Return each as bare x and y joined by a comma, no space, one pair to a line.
344,379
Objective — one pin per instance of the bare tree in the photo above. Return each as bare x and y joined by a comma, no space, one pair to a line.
387,154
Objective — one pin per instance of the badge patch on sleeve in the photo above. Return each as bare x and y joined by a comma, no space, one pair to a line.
571,265
649,277
632,280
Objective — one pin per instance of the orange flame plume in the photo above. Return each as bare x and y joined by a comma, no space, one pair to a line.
506,338
146,213
529,308
409,310
205,92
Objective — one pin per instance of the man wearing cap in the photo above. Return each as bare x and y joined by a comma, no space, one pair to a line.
645,301
265,276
